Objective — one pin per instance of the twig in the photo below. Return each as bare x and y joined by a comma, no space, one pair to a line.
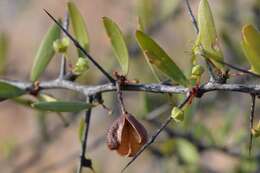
251,122
77,44
63,58
88,90
84,162
154,136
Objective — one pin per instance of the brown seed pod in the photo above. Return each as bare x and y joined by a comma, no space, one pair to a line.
126,135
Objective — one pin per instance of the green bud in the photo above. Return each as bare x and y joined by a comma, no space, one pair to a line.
177,114
61,45
81,66
197,70
256,131
196,50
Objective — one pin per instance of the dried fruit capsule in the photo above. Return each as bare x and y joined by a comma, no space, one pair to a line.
126,135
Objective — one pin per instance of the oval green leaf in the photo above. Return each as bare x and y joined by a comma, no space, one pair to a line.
118,43
251,47
45,52
159,58
61,106
79,27
207,37
8,91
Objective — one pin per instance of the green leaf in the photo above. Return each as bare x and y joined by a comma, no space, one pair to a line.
187,151
61,106
8,91
3,52
159,58
145,13
45,52
207,37
79,27
118,43
251,47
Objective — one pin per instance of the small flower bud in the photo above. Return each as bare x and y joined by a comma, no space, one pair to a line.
256,131
81,66
61,45
197,70
177,114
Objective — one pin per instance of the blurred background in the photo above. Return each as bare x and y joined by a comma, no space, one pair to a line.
215,135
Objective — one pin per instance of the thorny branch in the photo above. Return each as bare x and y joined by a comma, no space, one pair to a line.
87,90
